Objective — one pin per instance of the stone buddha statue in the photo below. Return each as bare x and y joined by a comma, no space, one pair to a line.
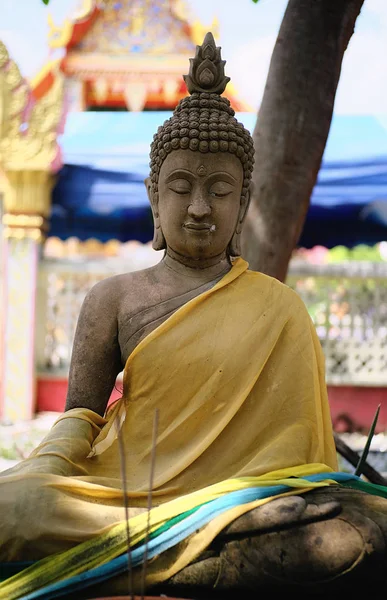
231,362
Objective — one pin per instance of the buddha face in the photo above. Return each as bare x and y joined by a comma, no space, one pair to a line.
200,202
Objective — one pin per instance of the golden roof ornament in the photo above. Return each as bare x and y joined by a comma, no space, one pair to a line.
28,127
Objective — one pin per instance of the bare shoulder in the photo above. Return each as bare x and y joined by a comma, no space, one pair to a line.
111,288
110,293
96,355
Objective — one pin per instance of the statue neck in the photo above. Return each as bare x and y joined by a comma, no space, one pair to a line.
203,270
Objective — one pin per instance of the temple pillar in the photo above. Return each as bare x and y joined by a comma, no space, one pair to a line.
29,158
75,95
26,204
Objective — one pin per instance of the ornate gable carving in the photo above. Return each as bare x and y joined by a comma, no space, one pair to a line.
135,26
28,128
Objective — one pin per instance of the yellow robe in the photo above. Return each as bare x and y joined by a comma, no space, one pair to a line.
237,375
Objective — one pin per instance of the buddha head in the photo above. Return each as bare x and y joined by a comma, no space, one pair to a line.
201,162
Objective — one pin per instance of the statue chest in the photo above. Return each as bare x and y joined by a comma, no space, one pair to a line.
139,317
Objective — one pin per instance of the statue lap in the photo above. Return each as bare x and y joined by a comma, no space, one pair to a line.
330,540
326,539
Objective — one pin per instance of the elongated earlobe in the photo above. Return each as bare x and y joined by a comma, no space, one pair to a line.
235,243
158,242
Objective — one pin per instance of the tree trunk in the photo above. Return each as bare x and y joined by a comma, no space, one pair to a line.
293,125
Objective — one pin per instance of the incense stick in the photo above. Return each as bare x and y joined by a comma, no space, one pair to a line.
151,478
363,458
123,477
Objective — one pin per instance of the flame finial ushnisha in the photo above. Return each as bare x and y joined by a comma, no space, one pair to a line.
206,72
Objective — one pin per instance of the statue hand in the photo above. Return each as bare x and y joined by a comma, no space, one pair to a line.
282,512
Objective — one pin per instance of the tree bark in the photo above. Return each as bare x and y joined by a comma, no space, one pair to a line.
293,125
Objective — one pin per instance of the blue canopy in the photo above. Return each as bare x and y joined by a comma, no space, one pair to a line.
100,190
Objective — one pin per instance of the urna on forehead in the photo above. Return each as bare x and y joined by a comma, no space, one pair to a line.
202,166
204,122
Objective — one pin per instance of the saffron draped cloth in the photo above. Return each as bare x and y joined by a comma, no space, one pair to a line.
237,375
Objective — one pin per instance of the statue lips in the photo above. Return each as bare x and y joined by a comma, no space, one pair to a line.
199,226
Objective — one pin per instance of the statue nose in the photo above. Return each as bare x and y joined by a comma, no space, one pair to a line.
199,208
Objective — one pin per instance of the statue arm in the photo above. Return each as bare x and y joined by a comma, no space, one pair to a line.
96,358
95,364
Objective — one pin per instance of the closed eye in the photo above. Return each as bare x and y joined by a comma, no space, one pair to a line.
218,195
220,189
180,186
181,192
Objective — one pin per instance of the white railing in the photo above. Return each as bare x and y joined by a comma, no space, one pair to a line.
347,302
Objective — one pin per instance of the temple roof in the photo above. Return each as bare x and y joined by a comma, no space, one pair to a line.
73,31
118,39
134,26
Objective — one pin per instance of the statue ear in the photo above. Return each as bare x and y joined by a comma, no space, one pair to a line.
158,236
245,203
235,244
148,185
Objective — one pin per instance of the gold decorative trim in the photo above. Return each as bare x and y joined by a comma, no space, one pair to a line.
4,56
27,193
50,67
25,221
28,126
21,233
59,36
